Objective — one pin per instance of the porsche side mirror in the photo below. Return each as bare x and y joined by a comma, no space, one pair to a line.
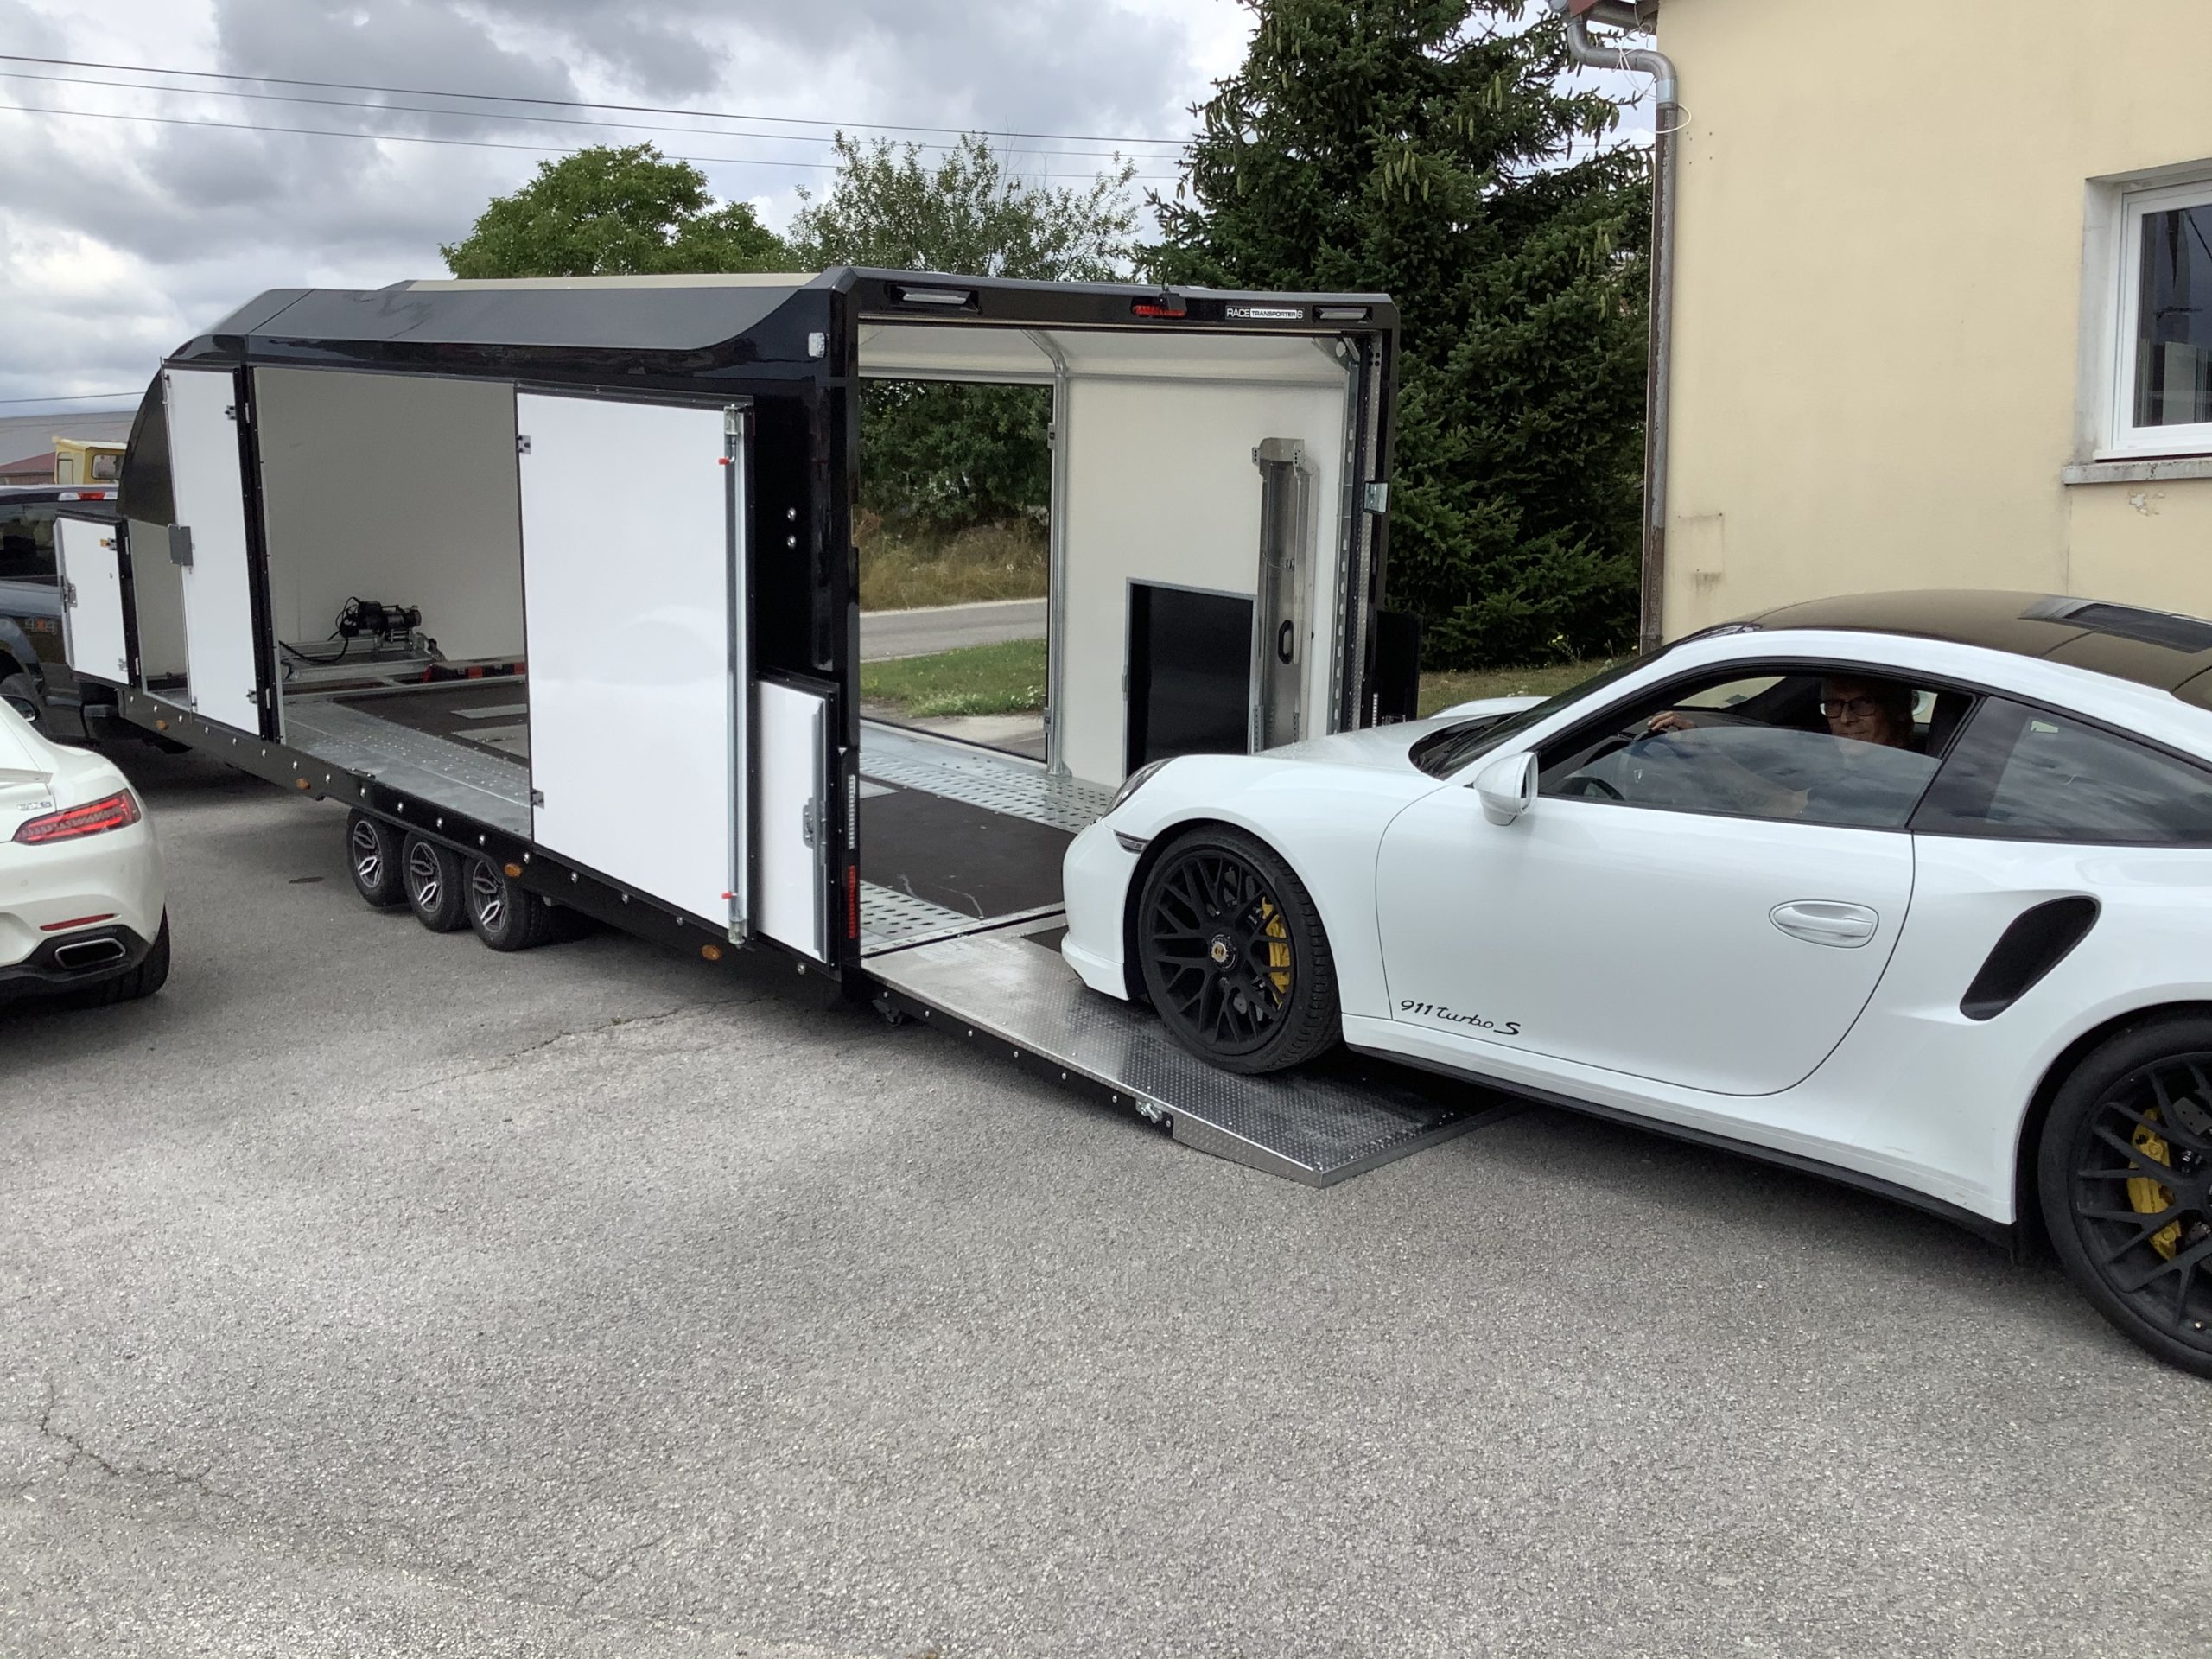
1507,788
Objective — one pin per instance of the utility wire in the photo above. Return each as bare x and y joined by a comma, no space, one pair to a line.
457,143
482,115
73,397
566,103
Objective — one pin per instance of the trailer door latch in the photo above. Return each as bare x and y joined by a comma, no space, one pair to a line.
522,443
806,823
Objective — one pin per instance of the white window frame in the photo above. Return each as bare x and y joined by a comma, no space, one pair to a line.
2123,438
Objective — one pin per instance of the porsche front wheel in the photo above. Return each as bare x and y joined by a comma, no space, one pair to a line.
1233,955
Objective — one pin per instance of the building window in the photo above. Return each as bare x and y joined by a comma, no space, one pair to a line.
2162,373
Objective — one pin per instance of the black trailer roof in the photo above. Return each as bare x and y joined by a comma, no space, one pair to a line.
711,323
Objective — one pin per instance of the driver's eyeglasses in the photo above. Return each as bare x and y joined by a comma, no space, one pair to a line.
1836,708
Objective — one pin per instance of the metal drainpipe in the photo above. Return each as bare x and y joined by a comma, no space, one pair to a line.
1659,371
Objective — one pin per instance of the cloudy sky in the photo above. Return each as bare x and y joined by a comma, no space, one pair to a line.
121,237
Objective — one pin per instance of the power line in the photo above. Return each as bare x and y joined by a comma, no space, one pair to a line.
456,143
480,115
73,397
565,103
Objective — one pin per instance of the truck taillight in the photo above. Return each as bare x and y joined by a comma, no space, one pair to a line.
116,812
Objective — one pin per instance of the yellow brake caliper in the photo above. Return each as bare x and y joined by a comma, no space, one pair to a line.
1278,951
2148,1196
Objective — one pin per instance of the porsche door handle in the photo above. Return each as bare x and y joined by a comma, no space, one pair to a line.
1823,921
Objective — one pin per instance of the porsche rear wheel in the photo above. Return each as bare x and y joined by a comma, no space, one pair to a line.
1233,955
2125,1171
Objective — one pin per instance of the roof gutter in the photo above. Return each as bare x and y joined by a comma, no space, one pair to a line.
1586,50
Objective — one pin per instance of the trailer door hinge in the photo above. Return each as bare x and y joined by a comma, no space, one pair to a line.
234,412
69,595
538,797
1378,496
522,443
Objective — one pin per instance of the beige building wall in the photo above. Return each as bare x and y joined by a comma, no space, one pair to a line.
1886,212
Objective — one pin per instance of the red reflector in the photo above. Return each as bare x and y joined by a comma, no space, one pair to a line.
852,901
78,921
113,813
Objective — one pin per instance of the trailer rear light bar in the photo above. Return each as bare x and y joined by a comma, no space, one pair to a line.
116,812
950,299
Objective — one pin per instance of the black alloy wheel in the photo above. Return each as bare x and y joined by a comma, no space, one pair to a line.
1233,955
507,915
372,858
2126,1173
432,876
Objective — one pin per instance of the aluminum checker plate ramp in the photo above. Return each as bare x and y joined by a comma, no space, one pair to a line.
462,777
1317,1126
963,772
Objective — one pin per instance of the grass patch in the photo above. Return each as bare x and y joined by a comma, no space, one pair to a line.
1002,679
900,572
1442,690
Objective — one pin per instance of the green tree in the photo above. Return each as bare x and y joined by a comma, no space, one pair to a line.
606,211
942,457
1425,148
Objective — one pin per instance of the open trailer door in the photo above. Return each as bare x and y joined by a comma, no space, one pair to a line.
634,561
95,640
207,412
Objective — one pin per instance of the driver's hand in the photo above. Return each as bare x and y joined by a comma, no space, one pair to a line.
1671,720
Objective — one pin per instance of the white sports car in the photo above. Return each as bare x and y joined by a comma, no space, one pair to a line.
1913,889
82,910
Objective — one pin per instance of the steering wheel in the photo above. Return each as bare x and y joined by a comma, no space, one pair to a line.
1583,785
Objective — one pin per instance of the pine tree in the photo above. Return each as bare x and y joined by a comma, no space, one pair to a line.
1425,148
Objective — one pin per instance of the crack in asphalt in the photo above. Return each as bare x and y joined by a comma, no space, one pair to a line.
620,1021
78,1450
605,1575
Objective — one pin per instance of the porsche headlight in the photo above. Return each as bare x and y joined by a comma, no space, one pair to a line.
1133,783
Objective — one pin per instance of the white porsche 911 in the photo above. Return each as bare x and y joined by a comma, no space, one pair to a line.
1912,889
82,912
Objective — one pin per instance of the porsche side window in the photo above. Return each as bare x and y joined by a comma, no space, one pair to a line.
1816,748
2025,774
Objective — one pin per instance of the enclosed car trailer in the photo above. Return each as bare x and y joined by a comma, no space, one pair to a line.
553,583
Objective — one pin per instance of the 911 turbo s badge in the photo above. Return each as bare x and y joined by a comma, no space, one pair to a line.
1432,1011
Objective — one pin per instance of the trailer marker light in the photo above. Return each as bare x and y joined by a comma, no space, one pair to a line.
511,870
76,921
711,952
904,294
112,812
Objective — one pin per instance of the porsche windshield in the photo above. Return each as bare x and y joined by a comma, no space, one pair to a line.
1441,754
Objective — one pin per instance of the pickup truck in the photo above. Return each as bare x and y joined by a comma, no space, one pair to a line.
35,680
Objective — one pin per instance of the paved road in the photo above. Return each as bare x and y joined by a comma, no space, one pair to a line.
947,628
368,1294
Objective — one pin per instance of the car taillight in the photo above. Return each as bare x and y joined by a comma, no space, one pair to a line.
114,812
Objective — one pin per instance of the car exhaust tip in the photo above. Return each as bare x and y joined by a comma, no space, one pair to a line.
89,953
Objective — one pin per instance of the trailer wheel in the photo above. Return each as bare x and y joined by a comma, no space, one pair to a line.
434,879
507,915
372,857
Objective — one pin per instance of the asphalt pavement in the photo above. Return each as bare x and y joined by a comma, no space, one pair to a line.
367,1292
947,628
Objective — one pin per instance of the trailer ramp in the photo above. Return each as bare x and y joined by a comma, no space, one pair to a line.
1007,988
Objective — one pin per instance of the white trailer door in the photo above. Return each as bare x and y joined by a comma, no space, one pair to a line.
93,642
207,475
633,558
794,870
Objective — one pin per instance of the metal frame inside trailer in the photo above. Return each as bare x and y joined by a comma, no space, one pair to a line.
321,393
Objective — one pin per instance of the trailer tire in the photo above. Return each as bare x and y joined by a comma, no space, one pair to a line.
434,879
507,915
372,858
